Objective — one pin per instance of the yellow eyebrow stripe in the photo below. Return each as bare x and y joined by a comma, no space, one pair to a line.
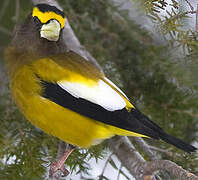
46,16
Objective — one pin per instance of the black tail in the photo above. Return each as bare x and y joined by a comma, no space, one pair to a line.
177,142
160,133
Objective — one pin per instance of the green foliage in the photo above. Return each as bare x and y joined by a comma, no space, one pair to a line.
159,85
170,20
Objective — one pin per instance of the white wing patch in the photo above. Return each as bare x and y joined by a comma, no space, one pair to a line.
117,88
101,94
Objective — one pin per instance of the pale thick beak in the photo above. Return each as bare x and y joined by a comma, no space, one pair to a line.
51,31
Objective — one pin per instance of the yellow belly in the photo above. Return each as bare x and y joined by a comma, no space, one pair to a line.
64,123
56,120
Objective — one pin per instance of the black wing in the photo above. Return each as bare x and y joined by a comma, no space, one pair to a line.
133,121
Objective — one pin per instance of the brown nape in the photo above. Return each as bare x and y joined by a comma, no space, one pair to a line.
26,38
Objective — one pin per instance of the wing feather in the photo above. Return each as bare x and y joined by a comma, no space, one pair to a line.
101,94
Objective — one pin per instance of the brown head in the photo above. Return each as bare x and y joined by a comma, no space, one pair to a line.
42,31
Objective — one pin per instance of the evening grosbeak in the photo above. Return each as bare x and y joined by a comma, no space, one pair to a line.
65,95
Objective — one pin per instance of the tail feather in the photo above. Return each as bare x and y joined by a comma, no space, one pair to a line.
177,142
159,133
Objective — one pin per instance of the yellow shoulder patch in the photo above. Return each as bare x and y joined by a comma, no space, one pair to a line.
46,16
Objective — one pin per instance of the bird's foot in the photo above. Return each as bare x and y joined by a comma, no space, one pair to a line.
58,165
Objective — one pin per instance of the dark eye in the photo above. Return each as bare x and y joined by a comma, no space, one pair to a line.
36,20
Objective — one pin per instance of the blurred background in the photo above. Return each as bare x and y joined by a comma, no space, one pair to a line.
148,48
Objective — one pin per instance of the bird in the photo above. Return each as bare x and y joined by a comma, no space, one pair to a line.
67,96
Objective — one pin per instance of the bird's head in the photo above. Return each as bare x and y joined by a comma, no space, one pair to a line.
49,20
42,31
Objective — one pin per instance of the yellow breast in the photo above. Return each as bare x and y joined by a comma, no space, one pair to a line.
52,118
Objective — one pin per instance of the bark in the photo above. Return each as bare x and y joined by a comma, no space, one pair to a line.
141,169
121,146
128,155
145,147
150,167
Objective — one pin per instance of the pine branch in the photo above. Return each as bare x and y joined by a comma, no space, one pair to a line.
145,147
106,163
169,166
190,5
149,150
141,169
119,172
161,150
128,155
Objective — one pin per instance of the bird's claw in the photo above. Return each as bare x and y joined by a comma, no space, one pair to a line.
55,166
